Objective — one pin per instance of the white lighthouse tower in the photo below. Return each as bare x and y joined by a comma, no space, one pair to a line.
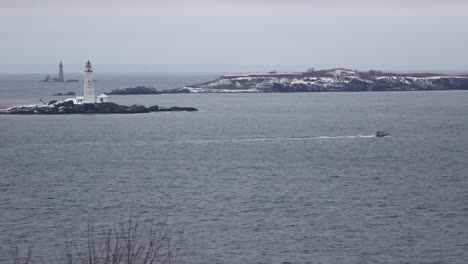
88,90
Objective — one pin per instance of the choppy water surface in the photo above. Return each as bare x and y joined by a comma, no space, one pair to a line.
251,178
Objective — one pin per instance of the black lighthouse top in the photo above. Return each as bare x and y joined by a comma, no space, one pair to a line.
88,67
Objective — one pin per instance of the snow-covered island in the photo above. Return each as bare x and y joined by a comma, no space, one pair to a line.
333,80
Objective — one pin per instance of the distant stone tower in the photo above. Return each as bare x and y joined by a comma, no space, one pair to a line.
88,90
60,76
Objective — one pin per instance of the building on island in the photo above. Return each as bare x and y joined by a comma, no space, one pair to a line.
88,90
103,98
78,100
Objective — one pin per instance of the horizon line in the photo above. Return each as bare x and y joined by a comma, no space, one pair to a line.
209,68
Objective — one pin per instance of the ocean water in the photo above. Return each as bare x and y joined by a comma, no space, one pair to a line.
250,178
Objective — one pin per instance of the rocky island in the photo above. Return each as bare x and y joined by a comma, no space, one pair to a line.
142,90
65,94
68,107
59,78
134,91
333,80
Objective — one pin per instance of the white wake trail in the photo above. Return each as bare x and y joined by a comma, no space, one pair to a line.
259,139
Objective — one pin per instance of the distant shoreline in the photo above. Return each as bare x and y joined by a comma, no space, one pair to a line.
333,80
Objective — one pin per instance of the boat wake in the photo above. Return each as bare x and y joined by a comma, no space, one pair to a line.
339,137
306,138
271,139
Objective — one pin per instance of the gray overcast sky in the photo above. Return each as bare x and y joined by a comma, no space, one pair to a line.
362,34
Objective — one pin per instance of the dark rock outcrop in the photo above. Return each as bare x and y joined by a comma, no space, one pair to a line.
134,91
61,94
176,109
153,108
48,78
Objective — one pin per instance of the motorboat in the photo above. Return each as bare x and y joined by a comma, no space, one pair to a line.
382,133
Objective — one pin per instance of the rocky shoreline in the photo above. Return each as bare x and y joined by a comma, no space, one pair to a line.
68,107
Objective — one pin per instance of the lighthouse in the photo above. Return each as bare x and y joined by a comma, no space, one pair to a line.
60,76
88,89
